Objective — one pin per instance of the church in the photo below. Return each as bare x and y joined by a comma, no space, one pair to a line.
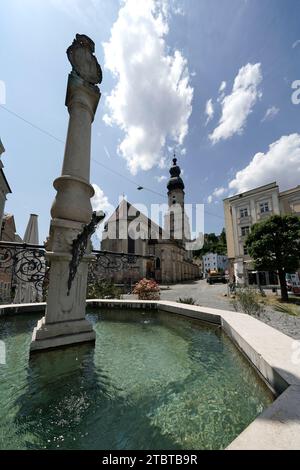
162,250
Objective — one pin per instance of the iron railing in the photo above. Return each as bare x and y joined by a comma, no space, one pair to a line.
24,270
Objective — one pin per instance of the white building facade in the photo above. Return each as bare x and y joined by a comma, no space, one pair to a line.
213,261
244,210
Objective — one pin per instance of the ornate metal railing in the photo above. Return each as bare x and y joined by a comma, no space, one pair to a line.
23,267
24,270
111,262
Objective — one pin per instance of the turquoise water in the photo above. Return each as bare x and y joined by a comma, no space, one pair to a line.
153,381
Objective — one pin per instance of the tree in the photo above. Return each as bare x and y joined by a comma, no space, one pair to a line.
213,244
274,245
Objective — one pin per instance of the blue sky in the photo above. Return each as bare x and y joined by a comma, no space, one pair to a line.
163,66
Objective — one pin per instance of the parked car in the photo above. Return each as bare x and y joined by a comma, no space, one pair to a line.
216,276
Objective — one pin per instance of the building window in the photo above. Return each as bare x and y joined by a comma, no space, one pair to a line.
131,245
264,207
244,212
245,231
245,250
296,207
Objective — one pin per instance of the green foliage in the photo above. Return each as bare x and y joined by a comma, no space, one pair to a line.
103,289
213,244
292,310
187,300
274,244
247,301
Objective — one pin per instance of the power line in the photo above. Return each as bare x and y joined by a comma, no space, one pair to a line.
32,125
40,129
126,178
144,187
93,159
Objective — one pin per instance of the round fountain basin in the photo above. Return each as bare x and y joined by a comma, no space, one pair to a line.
153,381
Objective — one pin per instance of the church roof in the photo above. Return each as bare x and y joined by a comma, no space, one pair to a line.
126,211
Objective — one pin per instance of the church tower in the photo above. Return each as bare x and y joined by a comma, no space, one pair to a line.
176,220
175,186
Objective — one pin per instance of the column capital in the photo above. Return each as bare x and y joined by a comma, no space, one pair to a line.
82,93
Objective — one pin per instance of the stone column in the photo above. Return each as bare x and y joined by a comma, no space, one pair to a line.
64,322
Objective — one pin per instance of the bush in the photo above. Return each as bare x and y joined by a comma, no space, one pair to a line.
147,289
247,301
187,300
103,289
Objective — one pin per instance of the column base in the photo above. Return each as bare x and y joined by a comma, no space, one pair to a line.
60,334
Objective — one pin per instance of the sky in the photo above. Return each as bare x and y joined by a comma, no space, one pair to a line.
211,79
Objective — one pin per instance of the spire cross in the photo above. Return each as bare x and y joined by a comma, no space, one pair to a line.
174,159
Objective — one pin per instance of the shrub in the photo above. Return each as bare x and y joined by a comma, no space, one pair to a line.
103,289
147,289
247,301
187,300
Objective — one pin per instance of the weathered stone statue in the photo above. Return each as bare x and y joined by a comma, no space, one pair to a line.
64,322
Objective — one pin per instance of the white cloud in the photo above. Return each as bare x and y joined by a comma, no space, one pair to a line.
222,86
169,7
296,43
152,99
100,202
281,163
107,152
237,106
221,91
161,178
265,168
270,114
218,192
209,111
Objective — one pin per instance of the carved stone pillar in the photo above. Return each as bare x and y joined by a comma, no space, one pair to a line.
64,322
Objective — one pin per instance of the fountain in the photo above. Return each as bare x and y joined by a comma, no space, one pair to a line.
163,375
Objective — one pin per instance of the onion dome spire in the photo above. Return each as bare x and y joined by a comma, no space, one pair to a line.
175,182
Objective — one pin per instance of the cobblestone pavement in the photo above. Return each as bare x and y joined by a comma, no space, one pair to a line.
203,293
213,296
